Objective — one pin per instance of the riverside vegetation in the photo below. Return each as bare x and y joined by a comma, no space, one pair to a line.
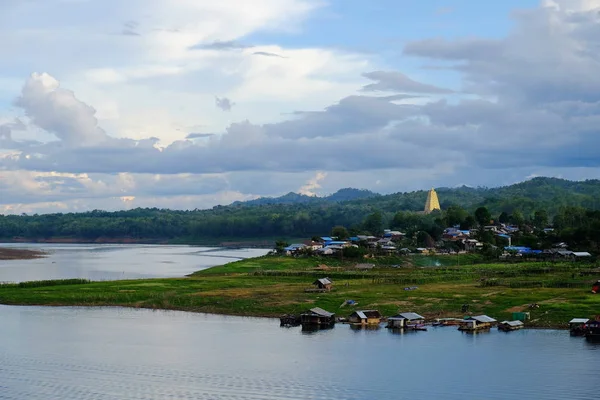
271,285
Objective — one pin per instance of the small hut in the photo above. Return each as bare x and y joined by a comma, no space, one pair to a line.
476,323
403,320
317,317
577,326
323,284
365,317
507,326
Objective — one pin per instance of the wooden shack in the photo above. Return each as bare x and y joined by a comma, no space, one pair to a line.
476,323
365,317
317,317
323,284
577,326
508,326
404,320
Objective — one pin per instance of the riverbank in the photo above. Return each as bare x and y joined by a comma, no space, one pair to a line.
271,286
20,254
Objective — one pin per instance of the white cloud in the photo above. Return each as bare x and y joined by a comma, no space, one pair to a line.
309,189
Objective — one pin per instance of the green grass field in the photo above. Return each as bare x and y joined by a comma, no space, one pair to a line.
271,286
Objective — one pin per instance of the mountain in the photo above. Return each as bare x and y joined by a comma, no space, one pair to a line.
346,194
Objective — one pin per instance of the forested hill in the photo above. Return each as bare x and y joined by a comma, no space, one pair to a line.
259,219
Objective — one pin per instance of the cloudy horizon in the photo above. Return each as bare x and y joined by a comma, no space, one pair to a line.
190,104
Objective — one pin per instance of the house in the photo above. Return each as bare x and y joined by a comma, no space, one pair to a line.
365,317
326,251
323,283
311,244
403,319
578,255
392,234
472,244
317,317
507,326
293,248
577,326
476,323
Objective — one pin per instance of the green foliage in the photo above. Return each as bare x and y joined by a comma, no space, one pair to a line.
305,217
482,216
339,232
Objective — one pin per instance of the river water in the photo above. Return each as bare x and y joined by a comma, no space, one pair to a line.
117,354
116,261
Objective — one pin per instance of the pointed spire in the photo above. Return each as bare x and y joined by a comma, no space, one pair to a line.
432,202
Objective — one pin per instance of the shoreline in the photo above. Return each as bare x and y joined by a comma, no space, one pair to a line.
270,317
271,286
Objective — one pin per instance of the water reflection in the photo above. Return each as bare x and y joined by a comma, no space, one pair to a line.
114,353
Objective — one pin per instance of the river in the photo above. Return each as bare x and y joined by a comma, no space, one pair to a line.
118,354
116,261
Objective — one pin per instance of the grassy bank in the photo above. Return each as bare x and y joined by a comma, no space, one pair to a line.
271,286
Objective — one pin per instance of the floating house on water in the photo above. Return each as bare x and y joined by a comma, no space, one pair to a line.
365,317
317,317
476,323
592,332
508,326
577,326
405,320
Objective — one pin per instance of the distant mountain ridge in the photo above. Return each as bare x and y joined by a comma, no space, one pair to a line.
539,192
345,194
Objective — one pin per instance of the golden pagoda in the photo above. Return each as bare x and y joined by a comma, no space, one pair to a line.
432,202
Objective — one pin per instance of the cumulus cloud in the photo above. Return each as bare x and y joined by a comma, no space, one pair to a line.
267,54
58,111
528,103
224,103
313,184
220,45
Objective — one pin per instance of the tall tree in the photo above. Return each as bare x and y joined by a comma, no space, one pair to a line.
339,232
540,219
483,216
373,223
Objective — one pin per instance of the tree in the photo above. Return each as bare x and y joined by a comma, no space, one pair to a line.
540,219
517,218
503,218
483,216
373,223
339,232
468,223
455,215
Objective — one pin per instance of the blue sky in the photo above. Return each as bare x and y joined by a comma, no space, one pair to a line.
111,104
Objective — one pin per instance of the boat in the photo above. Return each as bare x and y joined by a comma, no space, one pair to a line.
415,327
508,326
446,322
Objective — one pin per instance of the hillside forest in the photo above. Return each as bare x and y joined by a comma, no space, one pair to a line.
570,207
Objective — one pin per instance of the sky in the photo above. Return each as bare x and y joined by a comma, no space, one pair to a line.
188,104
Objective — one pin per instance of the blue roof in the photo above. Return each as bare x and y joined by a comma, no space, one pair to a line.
326,238
355,239
502,235
337,242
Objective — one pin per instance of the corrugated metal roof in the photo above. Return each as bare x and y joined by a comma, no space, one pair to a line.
361,315
324,281
581,254
512,323
411,316
483,318
321,312
578,321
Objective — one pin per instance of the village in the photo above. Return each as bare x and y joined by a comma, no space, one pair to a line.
453,241
317,318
